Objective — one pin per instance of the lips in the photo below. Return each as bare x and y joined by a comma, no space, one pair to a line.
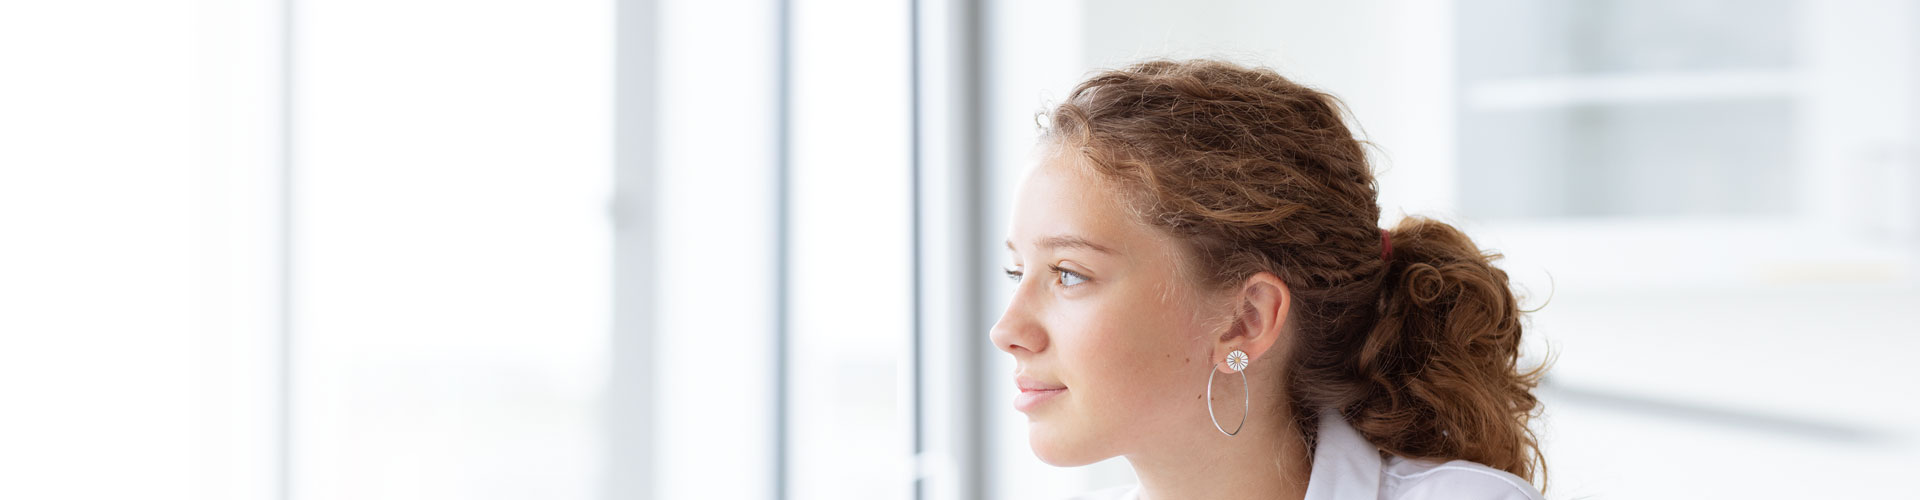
1034,392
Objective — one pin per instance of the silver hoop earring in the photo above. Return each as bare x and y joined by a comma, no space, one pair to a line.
1237,361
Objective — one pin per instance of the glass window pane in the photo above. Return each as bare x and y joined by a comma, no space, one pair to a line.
138,253
851,227
453,172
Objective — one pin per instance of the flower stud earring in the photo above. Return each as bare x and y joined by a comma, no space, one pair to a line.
1237,360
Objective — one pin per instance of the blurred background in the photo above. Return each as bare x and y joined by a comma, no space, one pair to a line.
679,249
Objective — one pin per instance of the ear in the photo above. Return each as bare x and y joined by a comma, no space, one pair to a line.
1260,319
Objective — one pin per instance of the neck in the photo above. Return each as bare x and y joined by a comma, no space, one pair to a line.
1266,461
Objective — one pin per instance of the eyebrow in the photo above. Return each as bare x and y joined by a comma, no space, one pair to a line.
1068,241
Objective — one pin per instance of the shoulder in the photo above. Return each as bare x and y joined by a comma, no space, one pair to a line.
1128,492
1404,479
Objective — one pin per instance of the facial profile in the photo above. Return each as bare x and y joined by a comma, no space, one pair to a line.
1107,337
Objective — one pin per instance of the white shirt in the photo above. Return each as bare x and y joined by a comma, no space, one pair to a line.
1347,467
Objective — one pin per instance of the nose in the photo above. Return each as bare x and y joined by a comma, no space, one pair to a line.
1018,332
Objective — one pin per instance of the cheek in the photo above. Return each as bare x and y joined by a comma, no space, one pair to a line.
1135,359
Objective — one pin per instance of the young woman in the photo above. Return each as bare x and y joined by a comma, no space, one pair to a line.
1201,287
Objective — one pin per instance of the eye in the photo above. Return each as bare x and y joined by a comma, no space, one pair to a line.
1013,274
1069,278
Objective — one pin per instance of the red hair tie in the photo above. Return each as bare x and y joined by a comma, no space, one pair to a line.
1386,246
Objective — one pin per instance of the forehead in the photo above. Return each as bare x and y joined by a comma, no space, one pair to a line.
1062,196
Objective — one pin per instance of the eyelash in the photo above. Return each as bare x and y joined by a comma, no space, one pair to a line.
1057,271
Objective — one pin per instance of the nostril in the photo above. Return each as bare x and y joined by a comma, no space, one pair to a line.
1006,342
1024,345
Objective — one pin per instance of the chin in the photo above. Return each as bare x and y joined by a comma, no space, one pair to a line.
1060,449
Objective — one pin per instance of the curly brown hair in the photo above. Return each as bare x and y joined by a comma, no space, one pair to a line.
1418,348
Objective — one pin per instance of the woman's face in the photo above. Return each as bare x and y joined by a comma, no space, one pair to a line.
1112,344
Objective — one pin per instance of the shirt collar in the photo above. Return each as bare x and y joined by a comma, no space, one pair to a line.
1345,465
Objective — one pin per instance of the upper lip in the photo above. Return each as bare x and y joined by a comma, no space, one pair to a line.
1028,385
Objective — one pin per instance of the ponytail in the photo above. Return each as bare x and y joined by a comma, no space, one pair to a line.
1438,373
